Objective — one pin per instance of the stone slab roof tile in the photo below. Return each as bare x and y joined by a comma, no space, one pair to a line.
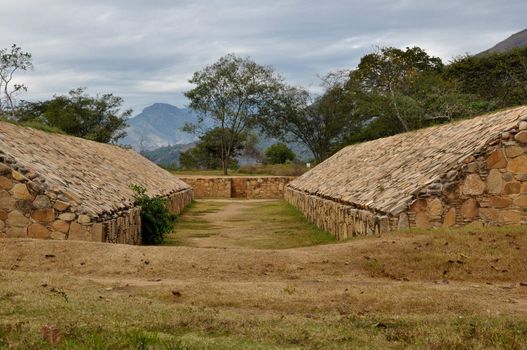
382,174
97,174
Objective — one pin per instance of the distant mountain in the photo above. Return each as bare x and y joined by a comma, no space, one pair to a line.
156,133
167,156
518,40
159,125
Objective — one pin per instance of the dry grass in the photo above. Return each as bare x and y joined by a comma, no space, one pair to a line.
387,292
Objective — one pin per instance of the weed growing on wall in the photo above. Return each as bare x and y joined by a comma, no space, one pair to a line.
156,219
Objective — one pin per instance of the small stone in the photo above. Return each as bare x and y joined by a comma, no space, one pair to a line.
494,182
472,167
422,220
18,176
403,222
473,185
6,183
20,192
61,226
97,233
72,196
451,174
496,160
469,209
512,216
6,201
512,188
499,202
518,165
60,205
67,216
58,235
522,125
38,231
521,201
513,151
450,218
505,135
16,232
508,177
43,215
78,232
489,214
17,219
521,137
84,219
4,169
41,202
23,206
418,206
469,159
435,207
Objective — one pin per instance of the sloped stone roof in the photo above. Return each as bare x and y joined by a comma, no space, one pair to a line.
384,174
95,175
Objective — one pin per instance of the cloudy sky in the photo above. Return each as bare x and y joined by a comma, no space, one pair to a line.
145,51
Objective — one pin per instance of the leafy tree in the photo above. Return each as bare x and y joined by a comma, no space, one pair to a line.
390,73
279,153
156,219
11,61
95,118
500,78
318,123
207,152
231,95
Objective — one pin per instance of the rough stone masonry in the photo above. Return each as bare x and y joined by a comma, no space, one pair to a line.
472,171
61,187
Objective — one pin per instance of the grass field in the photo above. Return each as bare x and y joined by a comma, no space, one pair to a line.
259,224
436,289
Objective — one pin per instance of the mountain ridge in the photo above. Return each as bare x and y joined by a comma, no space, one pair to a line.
516,40
159,125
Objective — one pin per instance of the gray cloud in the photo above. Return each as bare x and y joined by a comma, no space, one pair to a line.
145,51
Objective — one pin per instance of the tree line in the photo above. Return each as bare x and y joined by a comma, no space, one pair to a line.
390,91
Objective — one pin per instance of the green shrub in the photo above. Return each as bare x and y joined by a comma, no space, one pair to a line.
279,153
156,219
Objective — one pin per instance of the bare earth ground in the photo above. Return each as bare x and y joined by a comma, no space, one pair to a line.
437,289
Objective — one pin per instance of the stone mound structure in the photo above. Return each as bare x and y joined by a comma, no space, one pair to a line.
64,187
473,170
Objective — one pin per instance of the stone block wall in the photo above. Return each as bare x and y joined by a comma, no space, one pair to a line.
341,220
250,187
489,188
28,208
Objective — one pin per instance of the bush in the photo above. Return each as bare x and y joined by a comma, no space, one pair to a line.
156,219
279,153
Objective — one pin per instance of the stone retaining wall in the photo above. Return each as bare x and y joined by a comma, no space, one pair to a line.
28,208
250,187
341,220
489,187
